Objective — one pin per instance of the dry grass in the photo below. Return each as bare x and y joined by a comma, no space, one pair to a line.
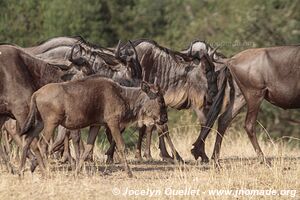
240,170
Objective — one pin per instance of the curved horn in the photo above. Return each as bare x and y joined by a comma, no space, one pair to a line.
71,54
213,53
190,50
155,81
215,49
138,68
117,51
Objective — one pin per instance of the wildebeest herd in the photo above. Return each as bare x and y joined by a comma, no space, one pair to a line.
69,83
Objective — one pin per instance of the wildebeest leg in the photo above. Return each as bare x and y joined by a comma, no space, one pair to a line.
165,131
66,154
61,134
253,100
75,135
111,149
93,132
163,149
224,121
110,152
81,146
138,154
48,131
45,142
116,133
29,139
147,153
5,141
162,145
5,159
201,139
19,141
3,156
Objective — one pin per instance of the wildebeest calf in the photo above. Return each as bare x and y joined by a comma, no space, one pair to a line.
92,101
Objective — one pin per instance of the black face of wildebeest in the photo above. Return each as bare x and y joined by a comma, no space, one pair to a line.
155,109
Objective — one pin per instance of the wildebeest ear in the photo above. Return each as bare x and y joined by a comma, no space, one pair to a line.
145,86
75,51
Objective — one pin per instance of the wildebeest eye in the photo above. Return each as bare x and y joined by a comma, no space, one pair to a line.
188,68
196,61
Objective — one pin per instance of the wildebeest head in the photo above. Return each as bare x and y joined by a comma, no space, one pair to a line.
154,109
77,55
198,48
129,56
105,63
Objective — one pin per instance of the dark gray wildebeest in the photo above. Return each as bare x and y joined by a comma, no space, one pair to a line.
263,73
20,75
61,47
93,101
188,81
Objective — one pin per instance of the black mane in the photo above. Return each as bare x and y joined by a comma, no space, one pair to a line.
78,37
164,49
81,40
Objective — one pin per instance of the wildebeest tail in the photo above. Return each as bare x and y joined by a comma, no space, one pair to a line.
30,120
216,106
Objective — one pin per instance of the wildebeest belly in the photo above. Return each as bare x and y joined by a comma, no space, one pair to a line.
82,116
284,95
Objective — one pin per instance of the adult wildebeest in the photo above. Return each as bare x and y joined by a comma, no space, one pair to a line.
61,47
188,81
93,101
263,73
20,75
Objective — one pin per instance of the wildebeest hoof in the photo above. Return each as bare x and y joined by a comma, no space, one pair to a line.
21,173
11,169
168,159
178,158
109,160
217,164
33,165
148,157
195,153
89,159
63,160
138,157
129,174
266,162
205,160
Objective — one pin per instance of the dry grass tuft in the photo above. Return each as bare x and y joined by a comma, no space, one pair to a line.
240,170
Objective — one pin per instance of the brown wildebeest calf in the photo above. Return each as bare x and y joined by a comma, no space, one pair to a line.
93,101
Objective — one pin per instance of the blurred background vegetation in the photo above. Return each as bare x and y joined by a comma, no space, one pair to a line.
232,24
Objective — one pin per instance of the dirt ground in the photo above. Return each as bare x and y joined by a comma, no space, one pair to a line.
241,176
